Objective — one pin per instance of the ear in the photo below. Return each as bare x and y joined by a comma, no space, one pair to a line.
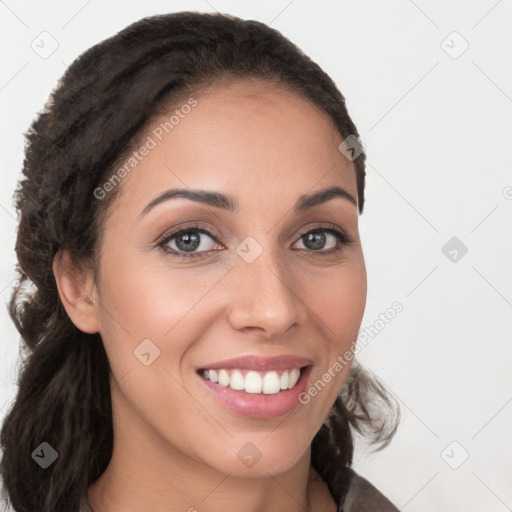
76,290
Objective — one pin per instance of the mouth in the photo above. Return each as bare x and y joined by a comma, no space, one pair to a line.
254,382
256,393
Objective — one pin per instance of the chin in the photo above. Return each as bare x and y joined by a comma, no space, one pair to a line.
257,455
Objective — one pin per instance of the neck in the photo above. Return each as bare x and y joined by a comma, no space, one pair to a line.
133,489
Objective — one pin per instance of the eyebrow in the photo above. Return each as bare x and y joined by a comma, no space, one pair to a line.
229,203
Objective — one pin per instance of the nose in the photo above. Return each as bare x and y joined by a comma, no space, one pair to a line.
263,297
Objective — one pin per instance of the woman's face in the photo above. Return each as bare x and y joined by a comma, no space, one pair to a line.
253,289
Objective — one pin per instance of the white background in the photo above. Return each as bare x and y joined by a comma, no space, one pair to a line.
438,134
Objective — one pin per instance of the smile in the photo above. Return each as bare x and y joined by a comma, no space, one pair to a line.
250,381
256,393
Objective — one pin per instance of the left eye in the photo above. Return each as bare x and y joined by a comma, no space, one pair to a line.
317,239
188,242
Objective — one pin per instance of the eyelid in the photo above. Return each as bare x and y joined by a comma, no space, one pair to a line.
162,239
333,229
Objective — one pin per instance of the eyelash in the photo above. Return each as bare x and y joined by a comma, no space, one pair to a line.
342,237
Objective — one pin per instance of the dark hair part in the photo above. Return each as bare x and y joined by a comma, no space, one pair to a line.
102,104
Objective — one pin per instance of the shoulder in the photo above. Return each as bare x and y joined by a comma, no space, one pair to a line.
362,496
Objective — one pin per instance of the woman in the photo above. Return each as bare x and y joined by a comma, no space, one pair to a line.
189,221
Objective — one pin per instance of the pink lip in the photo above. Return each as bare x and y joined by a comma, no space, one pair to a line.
259,405
260,363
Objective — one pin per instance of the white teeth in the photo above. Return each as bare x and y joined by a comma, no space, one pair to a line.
268,383
223,378
294,377
253,382
271,383
237,380
284,380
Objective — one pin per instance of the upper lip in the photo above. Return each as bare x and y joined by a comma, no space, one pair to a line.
260,363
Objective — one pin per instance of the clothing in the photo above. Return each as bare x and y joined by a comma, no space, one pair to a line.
362,496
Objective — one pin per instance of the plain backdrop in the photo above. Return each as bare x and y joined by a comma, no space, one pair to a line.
429,86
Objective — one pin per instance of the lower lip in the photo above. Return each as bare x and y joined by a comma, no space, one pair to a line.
259,405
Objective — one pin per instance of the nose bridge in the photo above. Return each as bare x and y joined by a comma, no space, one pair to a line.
263,293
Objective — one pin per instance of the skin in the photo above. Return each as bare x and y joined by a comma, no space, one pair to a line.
175,446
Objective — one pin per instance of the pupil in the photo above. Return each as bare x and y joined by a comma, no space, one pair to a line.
318,240
191,242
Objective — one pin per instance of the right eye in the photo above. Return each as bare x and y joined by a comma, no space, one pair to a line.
186,241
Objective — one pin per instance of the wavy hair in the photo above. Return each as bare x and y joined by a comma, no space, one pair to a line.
91,121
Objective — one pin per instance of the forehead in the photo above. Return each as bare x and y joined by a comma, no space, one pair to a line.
244,137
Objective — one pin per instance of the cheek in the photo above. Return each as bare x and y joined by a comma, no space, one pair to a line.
141,302
150,318
339,301
338,305
152,300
